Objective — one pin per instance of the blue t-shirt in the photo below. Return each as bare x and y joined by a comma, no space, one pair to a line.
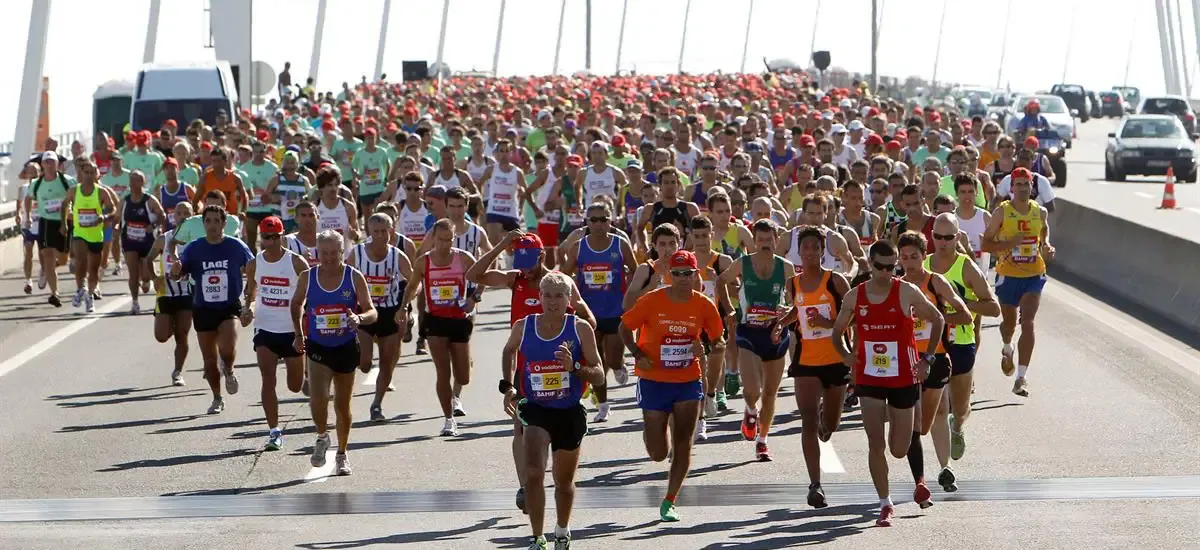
216,271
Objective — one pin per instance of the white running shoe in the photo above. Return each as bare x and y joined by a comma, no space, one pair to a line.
342,463
456,404
177,377
89,304
217,406
450,428
135,308
320,449
42,281
602,415
702,430
621,375
710,406
28,286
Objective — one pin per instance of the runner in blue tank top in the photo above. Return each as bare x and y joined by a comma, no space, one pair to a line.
173,191
555,358
332,299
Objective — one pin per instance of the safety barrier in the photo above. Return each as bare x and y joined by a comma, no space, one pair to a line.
1147,267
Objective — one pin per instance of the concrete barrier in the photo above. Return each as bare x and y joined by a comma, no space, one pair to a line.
1148,267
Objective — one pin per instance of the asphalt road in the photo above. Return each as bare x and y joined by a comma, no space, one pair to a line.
1136,199
90,415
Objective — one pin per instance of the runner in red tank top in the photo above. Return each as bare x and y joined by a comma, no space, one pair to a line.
885,362
524,281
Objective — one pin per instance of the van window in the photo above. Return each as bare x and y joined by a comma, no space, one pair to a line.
150,115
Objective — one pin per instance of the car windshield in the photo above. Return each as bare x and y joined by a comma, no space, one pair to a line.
1049,104
1152,128
1069,89
1165,106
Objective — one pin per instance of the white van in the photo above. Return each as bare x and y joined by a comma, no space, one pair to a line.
182,92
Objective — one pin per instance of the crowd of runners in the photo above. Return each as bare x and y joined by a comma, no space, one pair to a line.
715,234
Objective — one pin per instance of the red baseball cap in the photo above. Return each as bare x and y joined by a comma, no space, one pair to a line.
777,118
1021,174
684,259
1031,142
170,161
271,225
575,160
893,145
874,139
807,141
618,140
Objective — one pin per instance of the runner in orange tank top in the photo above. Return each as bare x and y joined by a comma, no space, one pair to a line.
222,179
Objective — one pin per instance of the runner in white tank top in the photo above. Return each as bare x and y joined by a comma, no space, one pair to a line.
476,170
973,225
270,284
687,162
604,182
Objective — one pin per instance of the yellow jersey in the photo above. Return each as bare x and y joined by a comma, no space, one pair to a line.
1024,259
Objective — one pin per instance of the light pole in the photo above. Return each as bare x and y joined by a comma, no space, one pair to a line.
683,39
499,34
1003,44
746,44
621,36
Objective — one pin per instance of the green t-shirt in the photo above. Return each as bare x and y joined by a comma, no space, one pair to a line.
372,170
535,140
343,152
193,228
256,178
923,153
190,175
947,188
50,195
150,163
119,184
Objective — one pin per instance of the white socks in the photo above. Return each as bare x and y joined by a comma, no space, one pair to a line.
1021,370
562,531
885,502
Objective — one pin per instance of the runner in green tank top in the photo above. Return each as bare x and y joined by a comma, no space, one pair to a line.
764,282
970,283
90,206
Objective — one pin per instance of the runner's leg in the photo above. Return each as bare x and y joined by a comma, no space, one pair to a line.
537,451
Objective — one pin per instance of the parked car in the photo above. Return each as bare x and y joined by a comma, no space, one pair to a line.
1112,105
1148,145
1170,105
1076,99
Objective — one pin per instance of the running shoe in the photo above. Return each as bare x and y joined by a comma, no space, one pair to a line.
55,301
135,308
320,449
377,414
456,403
722,401
341,464
851,401
421,346
702,430
816,496
42,281
822,432
521,499
408,324
922,496
749,426
761,452
710,406
667,512
538,543
145,287
733,384
96,294
621,376
177,377
1007,366
947,480
117,269
450,428
231,381
562,543
275,439
217,406
602,414
958,441
1021,387
89,304
78,298
885,516
28,286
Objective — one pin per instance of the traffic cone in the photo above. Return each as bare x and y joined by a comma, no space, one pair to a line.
1168,200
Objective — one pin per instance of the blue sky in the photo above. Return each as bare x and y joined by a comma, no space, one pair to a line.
970,52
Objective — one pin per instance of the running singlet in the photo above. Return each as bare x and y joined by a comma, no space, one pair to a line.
922,330
170,200
384,281
414,225
729,244
543,379
866,235
290,192
476,170
276,285
336,218
85,209
667,332
600,275
677,215
451,182
974,228
327,319
502,191
595,185
963,334
216,271
1025,259
815,346
887,352
225,183
761,299
309,253
137,230
446,287
526,299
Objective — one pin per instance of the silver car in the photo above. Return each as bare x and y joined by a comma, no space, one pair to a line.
1053,109
1149,145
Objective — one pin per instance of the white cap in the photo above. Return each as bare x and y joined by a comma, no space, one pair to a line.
544,113
846,103
49,155
837,129
855,125
827,115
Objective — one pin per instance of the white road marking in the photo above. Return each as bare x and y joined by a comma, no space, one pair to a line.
320,475
1103,183
1189,364
830,464
1143,194
43,345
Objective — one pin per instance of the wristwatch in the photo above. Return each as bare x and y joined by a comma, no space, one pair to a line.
928,358
505,385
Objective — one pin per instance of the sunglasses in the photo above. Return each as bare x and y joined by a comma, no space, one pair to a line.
706,168
598,219
942,237
271,236
683,272
413,189
890,268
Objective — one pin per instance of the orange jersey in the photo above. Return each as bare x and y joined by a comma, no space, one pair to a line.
667,331
226,183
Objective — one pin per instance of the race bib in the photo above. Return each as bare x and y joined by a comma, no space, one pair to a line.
289,207
922,330
371,176
332,223
883,359
136,231
1026,252
88,218
501,203
759,316
215,287
414,229
675,352
378,286
553,216
256,198
550,381
53,206
809,330
597,276
444,292
574,217
710,289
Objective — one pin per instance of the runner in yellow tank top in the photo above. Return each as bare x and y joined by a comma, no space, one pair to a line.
1019,233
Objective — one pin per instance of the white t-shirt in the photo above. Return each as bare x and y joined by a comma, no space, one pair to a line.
1045,191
